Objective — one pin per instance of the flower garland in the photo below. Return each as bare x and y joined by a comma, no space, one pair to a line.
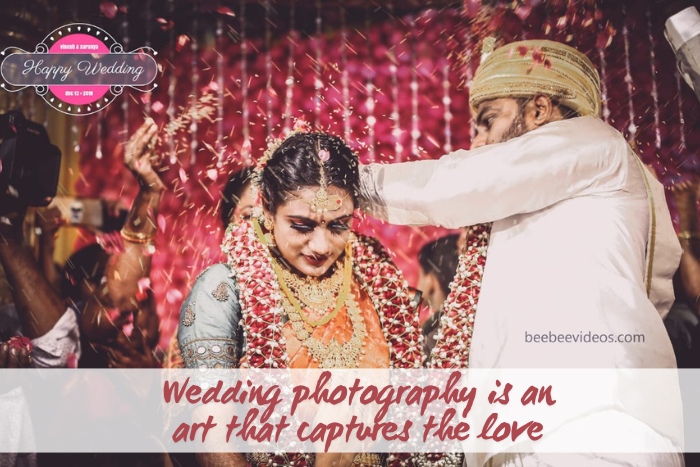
457,323
261,305
455,333
259,294
389,293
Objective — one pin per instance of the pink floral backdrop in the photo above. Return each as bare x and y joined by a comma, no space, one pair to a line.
396,86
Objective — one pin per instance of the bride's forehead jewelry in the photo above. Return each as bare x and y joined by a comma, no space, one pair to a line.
322,201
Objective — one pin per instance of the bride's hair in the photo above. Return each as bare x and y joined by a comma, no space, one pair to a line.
296,164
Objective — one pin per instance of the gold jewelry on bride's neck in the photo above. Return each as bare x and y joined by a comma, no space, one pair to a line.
311,289
333,354
317,294
342,295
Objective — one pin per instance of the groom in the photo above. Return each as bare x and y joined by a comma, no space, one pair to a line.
581,239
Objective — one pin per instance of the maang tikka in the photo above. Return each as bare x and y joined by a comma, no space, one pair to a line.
322,201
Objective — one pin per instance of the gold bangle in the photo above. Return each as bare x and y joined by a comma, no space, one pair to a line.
687,235
136,237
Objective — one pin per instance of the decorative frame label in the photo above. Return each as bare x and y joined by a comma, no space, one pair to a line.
78,69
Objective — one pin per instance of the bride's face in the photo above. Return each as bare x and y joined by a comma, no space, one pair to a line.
309,241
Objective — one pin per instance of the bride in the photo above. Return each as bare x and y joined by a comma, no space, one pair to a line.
299,288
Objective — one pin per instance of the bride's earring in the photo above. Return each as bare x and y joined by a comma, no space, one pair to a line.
349,245
267,223
269,236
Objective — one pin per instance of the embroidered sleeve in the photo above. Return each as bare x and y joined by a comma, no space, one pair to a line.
209,331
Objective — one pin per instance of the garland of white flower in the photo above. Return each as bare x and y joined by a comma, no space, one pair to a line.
454,337
389,293
261,306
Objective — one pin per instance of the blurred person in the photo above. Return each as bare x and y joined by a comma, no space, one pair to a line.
126,288
685,194
682,321
682,29
110,291
237,201
37,312
438,261
37,330
576,218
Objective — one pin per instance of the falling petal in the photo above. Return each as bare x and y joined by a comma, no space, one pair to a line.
157,107
182,41
173,296
472,7
71,360
523,11
144,284
225,11
165,24
109,9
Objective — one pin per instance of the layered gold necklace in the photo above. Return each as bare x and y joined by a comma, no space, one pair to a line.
317,294
322,295
333,354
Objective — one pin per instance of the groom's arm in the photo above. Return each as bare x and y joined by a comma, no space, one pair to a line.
525,174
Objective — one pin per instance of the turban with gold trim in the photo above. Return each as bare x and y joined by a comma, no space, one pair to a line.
527,68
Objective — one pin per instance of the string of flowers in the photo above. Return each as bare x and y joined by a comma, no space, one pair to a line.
457,323
391,298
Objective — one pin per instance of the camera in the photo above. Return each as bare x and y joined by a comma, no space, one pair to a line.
30,163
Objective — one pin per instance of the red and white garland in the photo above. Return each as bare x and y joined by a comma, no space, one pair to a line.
389,292
261,306
454,337
457,323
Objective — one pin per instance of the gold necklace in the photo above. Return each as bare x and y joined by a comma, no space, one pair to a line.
317,294
342,295
333,355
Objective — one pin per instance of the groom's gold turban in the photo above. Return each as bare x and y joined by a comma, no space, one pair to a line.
527,68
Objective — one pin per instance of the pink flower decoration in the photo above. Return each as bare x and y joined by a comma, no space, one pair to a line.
324,155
